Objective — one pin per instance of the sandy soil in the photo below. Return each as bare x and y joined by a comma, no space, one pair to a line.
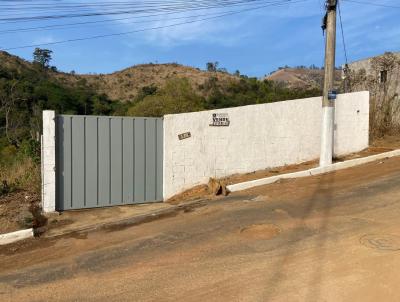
332,237
388,141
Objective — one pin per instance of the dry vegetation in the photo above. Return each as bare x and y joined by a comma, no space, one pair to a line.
302,77
385,106
22,174
125,85
19,195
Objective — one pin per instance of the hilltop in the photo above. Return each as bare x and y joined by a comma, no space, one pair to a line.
125,85
306,78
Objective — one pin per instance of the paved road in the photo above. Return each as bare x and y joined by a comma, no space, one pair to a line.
328,238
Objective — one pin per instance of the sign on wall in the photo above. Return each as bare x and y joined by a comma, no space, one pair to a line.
184,135
332,95
220,120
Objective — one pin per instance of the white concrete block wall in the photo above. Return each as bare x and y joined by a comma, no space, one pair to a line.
48,162
259,137
352,123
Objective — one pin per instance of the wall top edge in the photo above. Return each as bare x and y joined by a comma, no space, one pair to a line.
264,104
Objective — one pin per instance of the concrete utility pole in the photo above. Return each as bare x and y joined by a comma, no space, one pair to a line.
328,102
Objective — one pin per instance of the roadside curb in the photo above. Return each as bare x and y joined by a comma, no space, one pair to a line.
16,236
311,172
132,221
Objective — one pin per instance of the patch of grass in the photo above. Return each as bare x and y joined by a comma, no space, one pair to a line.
19,174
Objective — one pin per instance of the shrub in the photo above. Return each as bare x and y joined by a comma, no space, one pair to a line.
30,149
20,174
176,97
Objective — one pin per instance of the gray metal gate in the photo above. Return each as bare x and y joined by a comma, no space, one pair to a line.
107,161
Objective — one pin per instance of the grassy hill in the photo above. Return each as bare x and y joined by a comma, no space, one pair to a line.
127,84
142,88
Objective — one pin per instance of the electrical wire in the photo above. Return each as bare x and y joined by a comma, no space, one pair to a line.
373,4
94,23
137,10
66,25
342,31
113,6
151,28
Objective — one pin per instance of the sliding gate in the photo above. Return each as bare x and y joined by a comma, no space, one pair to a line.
108,161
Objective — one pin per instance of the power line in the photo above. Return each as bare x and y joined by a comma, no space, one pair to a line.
57,26
372,3
137,10
63,26
112,6
152,28
342,30
142,5
125,11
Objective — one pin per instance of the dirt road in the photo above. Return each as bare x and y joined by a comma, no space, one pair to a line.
334,237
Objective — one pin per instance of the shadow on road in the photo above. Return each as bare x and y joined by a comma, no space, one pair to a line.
321,201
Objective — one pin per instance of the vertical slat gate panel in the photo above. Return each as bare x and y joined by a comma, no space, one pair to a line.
61,163
140,160
67,177
91,162
159,164
104,161
151,159
116,161
128,158
78,162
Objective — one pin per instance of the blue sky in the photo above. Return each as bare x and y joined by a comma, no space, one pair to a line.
254,42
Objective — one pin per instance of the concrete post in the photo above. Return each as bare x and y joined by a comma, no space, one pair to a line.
49,162
328,105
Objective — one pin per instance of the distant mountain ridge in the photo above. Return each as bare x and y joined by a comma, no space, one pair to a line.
306,78
126,84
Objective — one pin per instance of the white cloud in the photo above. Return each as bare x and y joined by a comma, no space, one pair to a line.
43,39
228,31
172,32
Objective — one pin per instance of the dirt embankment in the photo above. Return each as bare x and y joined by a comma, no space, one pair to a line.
19,210
380,145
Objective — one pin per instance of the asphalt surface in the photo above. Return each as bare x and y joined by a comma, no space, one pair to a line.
334,237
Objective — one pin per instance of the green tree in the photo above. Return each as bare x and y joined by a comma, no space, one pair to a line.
177,96
212,66
42,57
